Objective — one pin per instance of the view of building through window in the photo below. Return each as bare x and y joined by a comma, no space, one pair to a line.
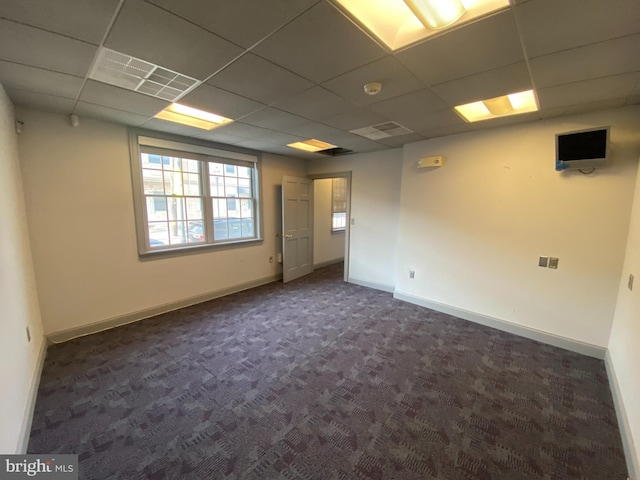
338,204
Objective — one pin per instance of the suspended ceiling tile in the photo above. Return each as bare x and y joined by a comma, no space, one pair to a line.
219,135
483,45
243,22
549,25
80,19
40,101
579,108
274,119
282,139
395,78
100,112
218,101
440,131
14,75
256,78
32,46
320,44
149,33
400,140
354,119
113,97
320,132
241,130
315,104
426,121
494,83
588,62
410,106
170,127
616,88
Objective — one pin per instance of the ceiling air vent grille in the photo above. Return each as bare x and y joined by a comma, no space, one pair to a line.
382,130
128,72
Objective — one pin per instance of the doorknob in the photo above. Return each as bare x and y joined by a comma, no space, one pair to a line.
287,235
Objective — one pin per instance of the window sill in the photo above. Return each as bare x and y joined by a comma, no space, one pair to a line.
196,249
337,232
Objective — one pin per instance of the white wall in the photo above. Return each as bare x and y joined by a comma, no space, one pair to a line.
79,202
473,229
375,195
20,361
327,246
624,351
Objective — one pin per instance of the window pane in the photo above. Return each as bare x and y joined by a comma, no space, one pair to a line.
196,232
231,186
158,234
220,230
172,163
151,161
176,208
216,168
173,183
191,183
219,208
156,209
216,184
190,166
230,170
152,181
235,228
244,188
339,221
177,233
246,208
194,209
244,172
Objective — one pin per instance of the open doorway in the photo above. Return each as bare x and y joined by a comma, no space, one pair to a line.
331,213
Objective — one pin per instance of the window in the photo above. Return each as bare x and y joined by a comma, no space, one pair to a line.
192,195
338,204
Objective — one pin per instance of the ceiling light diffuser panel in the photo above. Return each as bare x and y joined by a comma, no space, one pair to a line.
192,117
398,23
311,145
504,106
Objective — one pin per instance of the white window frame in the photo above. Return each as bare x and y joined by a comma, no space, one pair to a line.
204,152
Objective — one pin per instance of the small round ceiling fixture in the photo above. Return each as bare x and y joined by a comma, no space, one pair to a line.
372,88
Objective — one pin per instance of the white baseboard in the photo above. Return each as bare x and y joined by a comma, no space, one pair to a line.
633,463
378,286
533,334
107,324
327,263
27,417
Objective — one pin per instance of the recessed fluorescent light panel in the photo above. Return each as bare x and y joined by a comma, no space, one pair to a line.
128,72
398,23
192,117
512,104
311,145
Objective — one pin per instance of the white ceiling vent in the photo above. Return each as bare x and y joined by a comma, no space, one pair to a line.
128,72
382,130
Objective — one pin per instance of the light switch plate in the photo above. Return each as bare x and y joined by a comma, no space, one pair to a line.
543,261
553,262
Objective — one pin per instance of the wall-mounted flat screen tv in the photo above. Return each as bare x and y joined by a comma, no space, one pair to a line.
582,149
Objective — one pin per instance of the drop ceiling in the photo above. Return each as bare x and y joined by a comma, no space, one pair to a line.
289,70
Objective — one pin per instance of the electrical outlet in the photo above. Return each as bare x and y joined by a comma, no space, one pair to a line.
412,274
28,335
553,262
630,282
543,262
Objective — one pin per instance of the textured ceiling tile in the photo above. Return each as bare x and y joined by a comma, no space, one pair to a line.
320,44
120,99
618,87
40,101
510,79
473,48
241,130
591,61
395,78
89,19
154,35
410,106
354,119
170,127
579,108
254,77
218,101
316,104
35,47
14,75
243,22
100,112
550,25
274,119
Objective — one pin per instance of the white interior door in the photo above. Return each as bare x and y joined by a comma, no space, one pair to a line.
297,227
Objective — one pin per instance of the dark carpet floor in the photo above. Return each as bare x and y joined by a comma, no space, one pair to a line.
320,379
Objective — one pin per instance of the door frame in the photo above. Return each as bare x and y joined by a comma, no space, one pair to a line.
347,229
